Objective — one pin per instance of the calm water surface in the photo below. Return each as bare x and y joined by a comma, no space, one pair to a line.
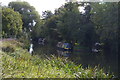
82,57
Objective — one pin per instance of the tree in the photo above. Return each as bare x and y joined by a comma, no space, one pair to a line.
87,29
106,20
49,28
60,25
47,14
11,23
70,25
68,21
76,26
30,17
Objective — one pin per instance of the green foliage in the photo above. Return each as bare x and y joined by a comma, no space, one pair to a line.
47,14
105,18
66,24
8,49
26,10
68,21
25,39
20,64
69,24
30,17
49,27
11,23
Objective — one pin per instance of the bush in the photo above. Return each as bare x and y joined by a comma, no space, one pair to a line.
25,40
8,49
20,64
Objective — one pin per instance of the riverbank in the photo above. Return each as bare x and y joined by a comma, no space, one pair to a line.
18,63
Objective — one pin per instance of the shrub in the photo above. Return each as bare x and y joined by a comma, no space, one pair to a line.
8,49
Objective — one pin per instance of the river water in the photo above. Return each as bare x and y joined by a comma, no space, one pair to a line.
78,56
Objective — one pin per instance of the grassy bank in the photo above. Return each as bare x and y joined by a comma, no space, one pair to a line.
18,63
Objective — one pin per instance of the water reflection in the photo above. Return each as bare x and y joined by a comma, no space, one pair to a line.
64,49
80,56
64,53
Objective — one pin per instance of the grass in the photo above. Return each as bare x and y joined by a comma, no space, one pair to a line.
20,64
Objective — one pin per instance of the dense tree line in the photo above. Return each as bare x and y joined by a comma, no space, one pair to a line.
70,25
98,23
106,21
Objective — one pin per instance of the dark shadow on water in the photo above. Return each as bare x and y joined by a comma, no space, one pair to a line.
92,60
109,64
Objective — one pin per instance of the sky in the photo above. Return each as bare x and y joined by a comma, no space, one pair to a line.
40,5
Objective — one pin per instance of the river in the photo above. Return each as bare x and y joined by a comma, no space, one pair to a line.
78,56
